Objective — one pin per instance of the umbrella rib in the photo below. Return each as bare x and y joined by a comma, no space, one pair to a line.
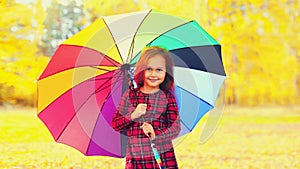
97,90
96,79
165,32
106,87
82,66
103,88
100,88
100,68
195,96
130,52
99,115
113,39
110,60
103,78
80,108
185,125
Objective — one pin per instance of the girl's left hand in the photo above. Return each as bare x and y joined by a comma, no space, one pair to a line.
148,130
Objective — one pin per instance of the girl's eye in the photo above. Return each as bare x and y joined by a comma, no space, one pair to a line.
148,69
159,70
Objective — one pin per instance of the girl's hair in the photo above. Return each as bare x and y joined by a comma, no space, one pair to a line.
147,53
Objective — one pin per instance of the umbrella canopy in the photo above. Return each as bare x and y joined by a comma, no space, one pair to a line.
82,85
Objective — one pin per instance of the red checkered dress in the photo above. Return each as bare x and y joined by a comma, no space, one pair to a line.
162,114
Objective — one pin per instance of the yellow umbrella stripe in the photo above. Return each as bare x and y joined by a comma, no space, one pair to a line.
98,37
64,81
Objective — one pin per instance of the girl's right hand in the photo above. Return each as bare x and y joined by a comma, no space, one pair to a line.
139,111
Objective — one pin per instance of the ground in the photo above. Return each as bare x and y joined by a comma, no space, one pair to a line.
244,137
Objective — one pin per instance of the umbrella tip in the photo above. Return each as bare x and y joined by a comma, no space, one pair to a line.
128,70
125,67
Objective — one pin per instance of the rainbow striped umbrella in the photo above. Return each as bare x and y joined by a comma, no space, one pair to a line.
80,88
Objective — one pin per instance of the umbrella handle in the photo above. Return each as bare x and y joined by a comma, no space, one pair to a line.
156,154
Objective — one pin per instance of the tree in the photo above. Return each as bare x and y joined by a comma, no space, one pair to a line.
62,21
257,41
19,29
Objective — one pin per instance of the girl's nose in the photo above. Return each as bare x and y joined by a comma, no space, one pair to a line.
153,73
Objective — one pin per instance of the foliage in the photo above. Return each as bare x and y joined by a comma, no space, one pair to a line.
255,138
20,30
259,49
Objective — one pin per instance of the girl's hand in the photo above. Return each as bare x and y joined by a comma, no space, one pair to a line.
139,111
148,130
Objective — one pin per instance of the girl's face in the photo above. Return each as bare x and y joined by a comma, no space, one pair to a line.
155,73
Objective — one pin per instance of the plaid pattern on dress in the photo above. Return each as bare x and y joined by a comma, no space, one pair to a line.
162,114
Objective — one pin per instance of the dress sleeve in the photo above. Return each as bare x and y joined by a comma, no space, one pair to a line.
172,128
121,119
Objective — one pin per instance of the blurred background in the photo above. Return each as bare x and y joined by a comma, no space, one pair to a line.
260,42
261,53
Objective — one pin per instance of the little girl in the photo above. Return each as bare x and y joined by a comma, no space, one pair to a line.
150,110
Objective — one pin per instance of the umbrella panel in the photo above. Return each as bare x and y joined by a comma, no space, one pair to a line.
190,115
71,56
79,109
103,130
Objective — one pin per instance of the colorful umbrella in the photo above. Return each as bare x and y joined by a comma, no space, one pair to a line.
82,85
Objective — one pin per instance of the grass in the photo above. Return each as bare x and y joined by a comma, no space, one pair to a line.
246,137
